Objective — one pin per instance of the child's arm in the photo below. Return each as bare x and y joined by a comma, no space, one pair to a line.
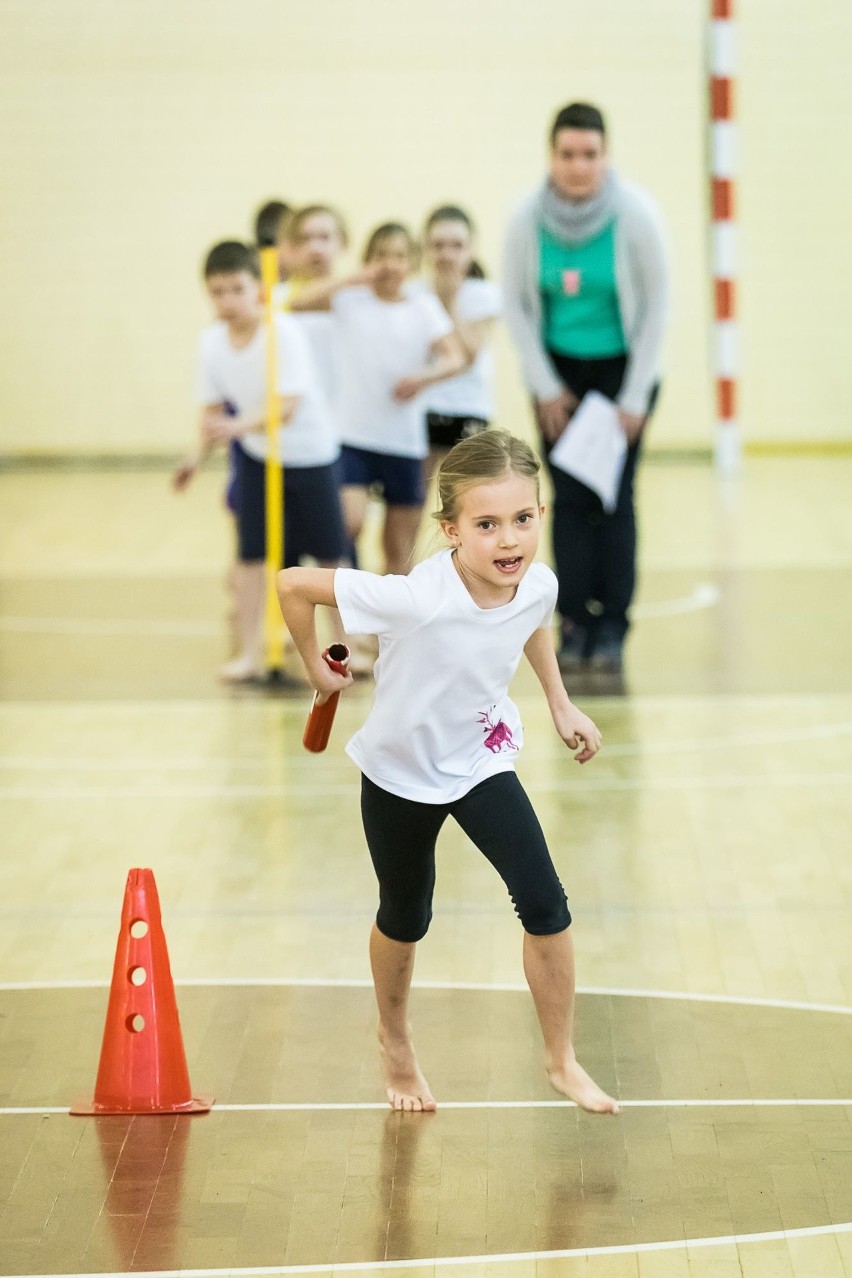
473,334
449,359
218,427
185,471
575,728
300,591
317,295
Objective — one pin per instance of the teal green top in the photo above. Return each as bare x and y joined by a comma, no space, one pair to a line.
579,296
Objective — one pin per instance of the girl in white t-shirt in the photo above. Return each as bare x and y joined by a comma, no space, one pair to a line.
393,343
462,405
316,236
443,735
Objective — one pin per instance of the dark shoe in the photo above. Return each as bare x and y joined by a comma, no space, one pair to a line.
572,652
608,655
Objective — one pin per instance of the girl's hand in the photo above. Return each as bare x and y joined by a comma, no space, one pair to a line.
553,414
326,681
632,425
579,733
407,388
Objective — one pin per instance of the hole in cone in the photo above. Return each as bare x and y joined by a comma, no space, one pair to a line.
135,1023
138,928
138,975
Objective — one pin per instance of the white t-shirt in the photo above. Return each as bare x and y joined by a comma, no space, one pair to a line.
441,720
471,394
238,374
321,331
380,342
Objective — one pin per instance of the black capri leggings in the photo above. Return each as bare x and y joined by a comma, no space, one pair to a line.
497,816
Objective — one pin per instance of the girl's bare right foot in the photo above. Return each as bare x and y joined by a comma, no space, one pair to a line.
405,1085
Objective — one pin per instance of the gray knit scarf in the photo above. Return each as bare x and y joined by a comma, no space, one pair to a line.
576,221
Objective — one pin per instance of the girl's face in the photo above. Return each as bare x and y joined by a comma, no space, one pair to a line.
392,260
449,249
495,534
578,162
317,245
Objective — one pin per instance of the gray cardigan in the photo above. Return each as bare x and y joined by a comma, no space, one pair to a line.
641,278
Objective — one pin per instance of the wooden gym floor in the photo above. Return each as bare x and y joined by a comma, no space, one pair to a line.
707,856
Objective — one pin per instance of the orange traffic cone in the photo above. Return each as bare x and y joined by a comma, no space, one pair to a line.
143,1064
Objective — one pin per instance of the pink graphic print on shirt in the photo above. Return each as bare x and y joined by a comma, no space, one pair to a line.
498,735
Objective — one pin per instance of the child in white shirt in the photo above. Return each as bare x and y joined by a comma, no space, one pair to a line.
443,736
393,343
315,235
462,405
232,393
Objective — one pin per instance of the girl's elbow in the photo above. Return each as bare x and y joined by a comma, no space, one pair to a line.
285,582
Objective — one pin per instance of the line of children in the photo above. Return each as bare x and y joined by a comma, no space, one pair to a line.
387,357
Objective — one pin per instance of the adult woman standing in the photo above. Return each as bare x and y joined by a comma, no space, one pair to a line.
585,292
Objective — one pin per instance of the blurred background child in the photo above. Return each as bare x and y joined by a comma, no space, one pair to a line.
461,405
394,343
315,236
269,223
232,393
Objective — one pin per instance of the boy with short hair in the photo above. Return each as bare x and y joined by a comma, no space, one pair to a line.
232,394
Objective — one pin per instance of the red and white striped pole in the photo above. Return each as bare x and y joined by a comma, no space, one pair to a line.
722,72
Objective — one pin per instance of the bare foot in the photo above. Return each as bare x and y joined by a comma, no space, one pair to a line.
240,669
406,1087
573,1081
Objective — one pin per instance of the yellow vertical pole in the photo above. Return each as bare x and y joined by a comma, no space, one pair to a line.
273,625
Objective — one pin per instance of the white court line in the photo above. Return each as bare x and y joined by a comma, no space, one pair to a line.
197,763
737,781
705,595
505,1258
323,1107
507,987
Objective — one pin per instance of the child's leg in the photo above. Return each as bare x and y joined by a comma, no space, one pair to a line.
249,578
392,964
549,969
401,837
499,818
249,596
399,537
353,499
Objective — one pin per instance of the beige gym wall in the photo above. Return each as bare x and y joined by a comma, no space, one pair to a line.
135,134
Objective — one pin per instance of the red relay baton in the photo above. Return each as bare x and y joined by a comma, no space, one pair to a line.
320,718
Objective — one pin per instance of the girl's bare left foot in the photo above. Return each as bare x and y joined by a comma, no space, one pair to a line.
406,1087
572,1080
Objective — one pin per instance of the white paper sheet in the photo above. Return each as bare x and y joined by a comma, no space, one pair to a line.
593,448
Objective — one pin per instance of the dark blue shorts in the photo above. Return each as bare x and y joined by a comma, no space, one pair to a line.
401,481
313,523
232,480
